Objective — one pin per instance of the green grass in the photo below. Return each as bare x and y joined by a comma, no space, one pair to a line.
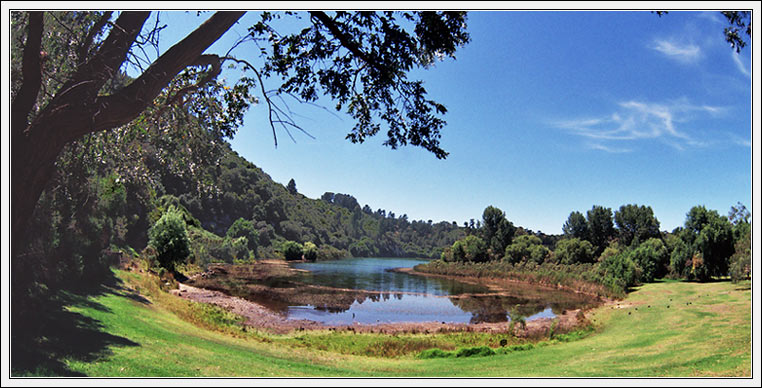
711,336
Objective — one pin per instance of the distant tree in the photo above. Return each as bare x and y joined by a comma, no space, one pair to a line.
292,250
680,255
618,268
711,236
652,258
526,248
310,251
327,196
740,262
636,224
291,187
469,249
739,214
496,231
576,226
170,239
601,225
574,251
244,228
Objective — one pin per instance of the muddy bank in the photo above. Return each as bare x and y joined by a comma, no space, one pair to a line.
260,317
261,293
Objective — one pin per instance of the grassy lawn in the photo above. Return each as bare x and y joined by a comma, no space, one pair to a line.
690,329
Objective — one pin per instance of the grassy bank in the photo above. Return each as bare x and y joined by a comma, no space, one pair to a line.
690,329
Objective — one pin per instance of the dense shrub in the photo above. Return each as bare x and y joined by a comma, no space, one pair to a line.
470,249
618,269
247,229
328,252
740,262
292,250
573,251
652,258
170,238
526,248
310,251
477,351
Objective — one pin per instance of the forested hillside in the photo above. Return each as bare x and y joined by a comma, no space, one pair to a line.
336,223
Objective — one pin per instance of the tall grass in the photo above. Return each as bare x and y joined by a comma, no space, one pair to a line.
584,278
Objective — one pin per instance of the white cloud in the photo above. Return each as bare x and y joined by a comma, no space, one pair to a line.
679,52
613,150
741,67
641,121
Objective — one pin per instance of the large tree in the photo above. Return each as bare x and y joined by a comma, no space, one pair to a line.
636,224
497,231
360,60
601,226
576,226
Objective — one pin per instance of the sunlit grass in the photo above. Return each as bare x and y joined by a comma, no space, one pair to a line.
690,329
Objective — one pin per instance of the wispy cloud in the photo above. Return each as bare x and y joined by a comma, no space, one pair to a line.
741,67
609,149
677,51
638,120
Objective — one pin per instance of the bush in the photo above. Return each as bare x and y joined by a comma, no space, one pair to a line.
526,248
434,353
471,248
574,251
244,228
310,251
329,252
292,250
652,257
619,270
170,239
740,262
477,351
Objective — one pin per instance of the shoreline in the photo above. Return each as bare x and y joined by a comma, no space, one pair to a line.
260,317
494,283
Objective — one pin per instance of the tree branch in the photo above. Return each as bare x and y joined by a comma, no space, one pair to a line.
94,31
76,97
203,60
32,73
345,39
125,105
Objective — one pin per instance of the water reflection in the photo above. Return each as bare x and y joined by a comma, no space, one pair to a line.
374,274
365,291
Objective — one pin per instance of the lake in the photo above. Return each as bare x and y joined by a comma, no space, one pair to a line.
365,290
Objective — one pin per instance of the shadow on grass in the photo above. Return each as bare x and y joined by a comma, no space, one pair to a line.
44,332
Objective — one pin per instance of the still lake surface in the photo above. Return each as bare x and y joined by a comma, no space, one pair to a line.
383,296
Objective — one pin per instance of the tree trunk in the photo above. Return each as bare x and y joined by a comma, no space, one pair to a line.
78,110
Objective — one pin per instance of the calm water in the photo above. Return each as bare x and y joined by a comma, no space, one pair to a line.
390,297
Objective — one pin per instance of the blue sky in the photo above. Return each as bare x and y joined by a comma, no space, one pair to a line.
549,112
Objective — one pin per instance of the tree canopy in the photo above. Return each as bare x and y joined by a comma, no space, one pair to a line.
359,59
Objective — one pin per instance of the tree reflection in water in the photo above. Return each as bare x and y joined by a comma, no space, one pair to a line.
365,291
